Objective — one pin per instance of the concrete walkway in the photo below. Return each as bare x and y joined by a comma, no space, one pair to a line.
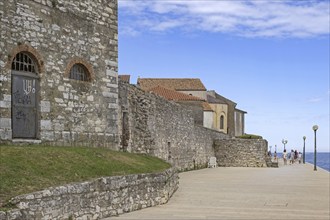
288,192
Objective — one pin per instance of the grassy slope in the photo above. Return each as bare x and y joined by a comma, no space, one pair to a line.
25,169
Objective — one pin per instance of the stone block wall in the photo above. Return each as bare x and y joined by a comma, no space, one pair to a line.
58,34
241,152
152,125
97,199
197,110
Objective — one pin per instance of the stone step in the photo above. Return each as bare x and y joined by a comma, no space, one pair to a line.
274,164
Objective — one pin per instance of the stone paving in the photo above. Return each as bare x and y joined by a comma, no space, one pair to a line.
288,192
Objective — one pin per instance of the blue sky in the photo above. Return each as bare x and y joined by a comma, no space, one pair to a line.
270,57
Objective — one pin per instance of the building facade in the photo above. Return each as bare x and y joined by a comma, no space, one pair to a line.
58,77
189,92
215,111
239,122
153,125
227,118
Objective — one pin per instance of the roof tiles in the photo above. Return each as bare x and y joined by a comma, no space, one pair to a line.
179,96
207,107
173,95
179,84
124,78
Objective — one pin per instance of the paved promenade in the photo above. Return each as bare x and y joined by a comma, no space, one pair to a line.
288,192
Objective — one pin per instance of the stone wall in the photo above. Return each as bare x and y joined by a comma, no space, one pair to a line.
152,125
239,122
208,119
57,34
196,109
241,152
100,198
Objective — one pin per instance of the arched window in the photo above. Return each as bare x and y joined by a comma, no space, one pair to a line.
222,121
23,63
79,72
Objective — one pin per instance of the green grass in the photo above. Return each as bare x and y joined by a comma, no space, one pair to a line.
250,136
25,169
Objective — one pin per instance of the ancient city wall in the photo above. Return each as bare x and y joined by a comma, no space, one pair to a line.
152,125
57,34
100,198
241,152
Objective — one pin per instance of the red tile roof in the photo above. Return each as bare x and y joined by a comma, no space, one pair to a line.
124,78
179,84
179,96
207,107
173,95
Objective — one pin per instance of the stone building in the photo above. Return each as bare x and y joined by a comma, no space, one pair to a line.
220,116
59,85
154,125
189,86
203,113
215,111
58,77
124,78
190,92
239,122
227,118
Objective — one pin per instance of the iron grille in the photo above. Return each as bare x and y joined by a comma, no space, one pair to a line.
79,72
22,62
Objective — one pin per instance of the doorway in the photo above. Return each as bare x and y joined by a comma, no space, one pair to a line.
25,89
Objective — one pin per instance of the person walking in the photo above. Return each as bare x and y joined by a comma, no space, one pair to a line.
275,156
292,157
285,157
295,155
299,157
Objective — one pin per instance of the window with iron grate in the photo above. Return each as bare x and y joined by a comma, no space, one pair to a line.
23,63
79,72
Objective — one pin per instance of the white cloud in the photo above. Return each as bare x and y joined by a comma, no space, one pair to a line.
315,100
244,18
168,24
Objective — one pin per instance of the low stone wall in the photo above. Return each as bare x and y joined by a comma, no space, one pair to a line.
100,198
241,152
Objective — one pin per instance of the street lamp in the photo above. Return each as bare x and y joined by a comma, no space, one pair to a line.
315,127
304,150
284,142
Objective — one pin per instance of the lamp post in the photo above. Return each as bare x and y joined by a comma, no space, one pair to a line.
284,142
304,150
315,127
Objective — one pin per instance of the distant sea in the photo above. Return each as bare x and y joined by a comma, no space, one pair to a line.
322,159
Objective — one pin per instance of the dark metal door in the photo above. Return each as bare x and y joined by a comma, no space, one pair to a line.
24,105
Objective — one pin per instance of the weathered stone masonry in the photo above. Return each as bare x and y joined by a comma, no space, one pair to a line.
97,199
150,124
241,152
56,34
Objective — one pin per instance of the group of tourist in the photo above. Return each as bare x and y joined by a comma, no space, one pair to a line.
292,156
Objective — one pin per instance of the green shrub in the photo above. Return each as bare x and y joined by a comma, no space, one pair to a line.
249,136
